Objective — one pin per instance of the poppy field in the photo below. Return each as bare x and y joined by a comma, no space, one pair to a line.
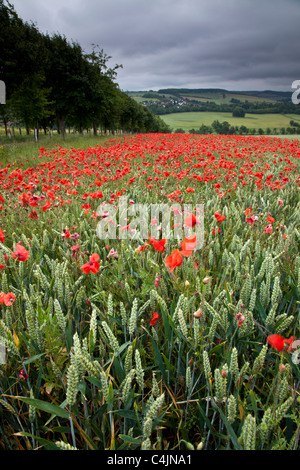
131,343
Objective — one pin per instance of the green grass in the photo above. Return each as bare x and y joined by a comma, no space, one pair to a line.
24,150
192,120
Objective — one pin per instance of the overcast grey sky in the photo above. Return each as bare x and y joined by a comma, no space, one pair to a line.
232,44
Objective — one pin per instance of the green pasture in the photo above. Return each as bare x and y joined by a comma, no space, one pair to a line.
192,120
25,150
225,98
140,99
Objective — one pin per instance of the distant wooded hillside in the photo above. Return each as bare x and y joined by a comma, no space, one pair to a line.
175,100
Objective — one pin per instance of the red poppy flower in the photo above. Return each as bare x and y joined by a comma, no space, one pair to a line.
173,260
46,206
20,253
158,245
276,341
74,248
113,253
191,220
33,215
92,265
251,220
269,229
188,245
34,201
219,217
280,343
66,233
155,317
23,375
1,236
142,248
9,299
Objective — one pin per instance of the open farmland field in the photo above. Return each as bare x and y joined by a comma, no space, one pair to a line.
191,120
225,97
143,339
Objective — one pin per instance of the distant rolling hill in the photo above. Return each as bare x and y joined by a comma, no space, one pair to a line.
219,94
186,108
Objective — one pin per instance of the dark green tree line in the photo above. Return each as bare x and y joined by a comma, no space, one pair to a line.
53,83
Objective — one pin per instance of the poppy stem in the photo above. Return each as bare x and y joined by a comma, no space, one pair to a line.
72,427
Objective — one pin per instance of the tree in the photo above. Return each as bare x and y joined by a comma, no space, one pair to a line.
30,103
65,72
103,94
238,111
49,78
222,127
244,130
216,125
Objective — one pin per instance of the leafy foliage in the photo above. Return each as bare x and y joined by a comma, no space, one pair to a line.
52,83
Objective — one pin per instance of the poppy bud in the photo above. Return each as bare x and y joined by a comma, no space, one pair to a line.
240,318
206,280
198,313
191,362
23,375
181,380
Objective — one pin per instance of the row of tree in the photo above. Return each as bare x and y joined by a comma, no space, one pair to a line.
52,83
225,128
160,108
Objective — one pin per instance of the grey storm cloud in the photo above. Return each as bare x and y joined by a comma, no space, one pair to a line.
233,44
